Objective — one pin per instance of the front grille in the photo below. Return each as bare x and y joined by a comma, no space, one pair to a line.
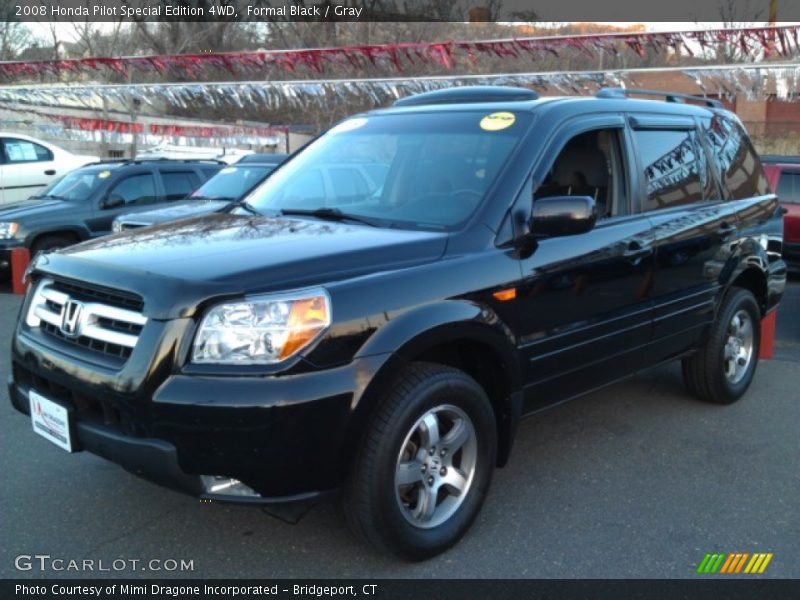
86,293
101,321
106,348
113,414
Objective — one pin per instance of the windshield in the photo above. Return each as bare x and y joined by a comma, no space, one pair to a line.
233,182
78,185
408,170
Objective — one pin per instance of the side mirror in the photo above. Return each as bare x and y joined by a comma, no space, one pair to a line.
112,201
562,215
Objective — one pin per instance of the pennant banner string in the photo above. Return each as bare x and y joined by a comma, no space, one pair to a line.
754,42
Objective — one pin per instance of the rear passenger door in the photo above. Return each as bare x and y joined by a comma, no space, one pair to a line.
178,183
693,226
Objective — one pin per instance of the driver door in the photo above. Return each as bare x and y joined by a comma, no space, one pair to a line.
129,194
585,313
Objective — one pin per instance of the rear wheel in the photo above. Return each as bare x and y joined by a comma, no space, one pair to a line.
425,465
722,370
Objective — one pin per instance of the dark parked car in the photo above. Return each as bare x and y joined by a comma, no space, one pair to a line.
783,173
520,251
217,194
82,204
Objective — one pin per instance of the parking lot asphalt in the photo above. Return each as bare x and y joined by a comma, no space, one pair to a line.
637,480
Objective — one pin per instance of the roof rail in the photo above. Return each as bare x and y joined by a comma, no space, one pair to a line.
780,158
668,96
136,161
469,94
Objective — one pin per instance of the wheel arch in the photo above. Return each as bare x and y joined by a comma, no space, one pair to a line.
462,335
79,233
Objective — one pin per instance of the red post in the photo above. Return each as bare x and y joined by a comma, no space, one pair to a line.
20,257
768,336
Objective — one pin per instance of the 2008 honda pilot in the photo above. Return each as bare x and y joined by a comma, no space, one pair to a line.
381,331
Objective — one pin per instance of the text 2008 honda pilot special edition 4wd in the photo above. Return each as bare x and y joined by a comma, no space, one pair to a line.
384,337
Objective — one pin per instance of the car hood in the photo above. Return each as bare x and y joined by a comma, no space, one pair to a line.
178,266
27,208
178,210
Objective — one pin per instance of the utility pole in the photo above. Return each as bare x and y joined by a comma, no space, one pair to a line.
773,12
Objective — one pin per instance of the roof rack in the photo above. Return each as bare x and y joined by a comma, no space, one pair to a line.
469,94
780,158
136,161
668,96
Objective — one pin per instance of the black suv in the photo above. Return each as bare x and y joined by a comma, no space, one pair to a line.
83,203
519,251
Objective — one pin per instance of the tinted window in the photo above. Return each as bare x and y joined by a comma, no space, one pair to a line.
672,168
137,189
420,171
736,162
178,185
15,151
789,188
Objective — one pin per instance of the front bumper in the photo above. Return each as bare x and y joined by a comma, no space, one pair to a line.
6,246
286,437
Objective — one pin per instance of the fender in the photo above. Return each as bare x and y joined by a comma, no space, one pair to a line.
749,256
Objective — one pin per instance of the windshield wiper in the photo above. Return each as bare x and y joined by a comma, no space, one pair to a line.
53,196
329,214
245,205
216,198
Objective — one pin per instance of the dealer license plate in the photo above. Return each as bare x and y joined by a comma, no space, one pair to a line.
50,420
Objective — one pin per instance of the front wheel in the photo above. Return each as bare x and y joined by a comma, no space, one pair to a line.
721,371
425,465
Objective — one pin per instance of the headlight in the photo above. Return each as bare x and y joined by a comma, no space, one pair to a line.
8,230
262,329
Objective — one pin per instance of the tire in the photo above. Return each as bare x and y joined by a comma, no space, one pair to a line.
392,517
49,242
722,370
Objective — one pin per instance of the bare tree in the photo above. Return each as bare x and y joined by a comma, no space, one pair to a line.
14,35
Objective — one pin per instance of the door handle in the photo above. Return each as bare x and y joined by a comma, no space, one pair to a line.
636,251
50,172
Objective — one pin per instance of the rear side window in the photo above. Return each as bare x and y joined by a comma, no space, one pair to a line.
18,151
137,189
735,159
789,188
674,168
179,184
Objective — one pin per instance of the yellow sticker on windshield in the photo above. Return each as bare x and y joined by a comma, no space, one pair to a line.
104,174
497,121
